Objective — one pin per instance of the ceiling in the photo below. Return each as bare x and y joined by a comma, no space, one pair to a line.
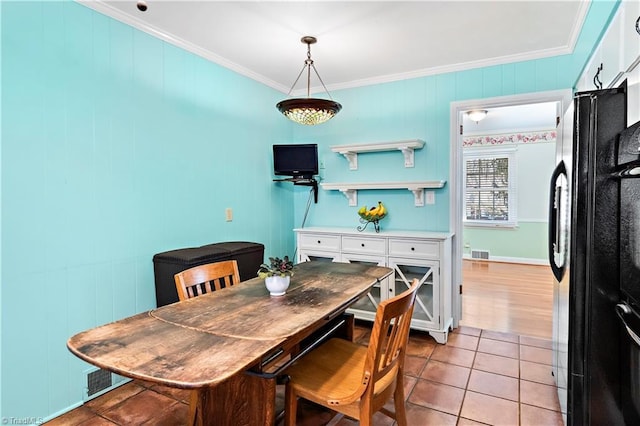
359,42
514,118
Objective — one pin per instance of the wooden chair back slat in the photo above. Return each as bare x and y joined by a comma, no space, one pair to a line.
388,341
357,381
204,279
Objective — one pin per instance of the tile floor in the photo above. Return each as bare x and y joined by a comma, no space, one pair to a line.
478,377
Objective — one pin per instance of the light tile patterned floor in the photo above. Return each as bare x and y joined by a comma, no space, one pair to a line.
478,377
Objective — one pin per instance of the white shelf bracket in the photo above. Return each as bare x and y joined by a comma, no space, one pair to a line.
352,158
408,156
418,194
352,196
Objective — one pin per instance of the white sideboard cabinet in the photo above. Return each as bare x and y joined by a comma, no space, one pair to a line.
411,254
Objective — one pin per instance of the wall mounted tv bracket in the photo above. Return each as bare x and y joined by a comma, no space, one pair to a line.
304,182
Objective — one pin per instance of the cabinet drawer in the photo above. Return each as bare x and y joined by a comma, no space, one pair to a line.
414,248
364,245
320,242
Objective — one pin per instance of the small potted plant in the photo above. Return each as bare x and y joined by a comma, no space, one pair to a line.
277,275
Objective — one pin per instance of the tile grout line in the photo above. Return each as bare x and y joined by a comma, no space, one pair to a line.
466,387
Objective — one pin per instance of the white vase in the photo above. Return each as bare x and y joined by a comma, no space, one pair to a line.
277,285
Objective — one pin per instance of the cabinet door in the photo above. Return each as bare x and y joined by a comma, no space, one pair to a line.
426,311
366,306
317,256
611,56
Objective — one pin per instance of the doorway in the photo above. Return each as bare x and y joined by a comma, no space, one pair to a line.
460,210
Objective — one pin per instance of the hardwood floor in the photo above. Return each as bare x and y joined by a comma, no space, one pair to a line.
507,297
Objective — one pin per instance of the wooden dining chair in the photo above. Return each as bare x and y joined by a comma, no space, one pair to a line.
353,379
206,278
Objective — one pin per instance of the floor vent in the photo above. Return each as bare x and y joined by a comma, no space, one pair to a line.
480,254
100,381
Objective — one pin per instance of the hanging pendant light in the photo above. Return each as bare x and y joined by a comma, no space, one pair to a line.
309,111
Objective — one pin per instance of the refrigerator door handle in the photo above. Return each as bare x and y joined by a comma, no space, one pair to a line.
622,309
628,170
554,219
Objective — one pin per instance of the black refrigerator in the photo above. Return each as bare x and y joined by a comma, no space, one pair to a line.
584,255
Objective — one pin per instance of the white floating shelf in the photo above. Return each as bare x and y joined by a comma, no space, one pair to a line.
350,152
350,190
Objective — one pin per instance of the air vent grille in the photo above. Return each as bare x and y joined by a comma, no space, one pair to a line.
98,381
480,254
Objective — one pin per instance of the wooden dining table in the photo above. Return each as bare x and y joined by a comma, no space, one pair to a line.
231,346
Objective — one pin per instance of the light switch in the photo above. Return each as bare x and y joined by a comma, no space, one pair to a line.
228,214
429,197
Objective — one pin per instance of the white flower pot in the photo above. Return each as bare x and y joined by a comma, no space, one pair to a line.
277,285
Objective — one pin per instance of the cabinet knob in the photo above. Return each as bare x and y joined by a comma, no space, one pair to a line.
362,244
413,249
318,241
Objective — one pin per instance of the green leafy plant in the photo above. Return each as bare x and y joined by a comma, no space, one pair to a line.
276,267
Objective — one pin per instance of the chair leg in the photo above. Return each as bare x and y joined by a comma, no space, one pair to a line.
398,401
195,416
290,406
365,419
366,410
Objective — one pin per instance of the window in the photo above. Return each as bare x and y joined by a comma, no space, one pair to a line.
490,193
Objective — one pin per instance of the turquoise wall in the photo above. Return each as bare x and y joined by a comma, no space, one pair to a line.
1,363
116,146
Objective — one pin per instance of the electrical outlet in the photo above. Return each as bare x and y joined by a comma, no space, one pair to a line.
228,212
430,197
321,164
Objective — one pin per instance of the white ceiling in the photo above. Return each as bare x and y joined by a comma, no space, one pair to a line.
518,118
359,42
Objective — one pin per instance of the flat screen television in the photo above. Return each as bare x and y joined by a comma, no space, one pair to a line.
299,161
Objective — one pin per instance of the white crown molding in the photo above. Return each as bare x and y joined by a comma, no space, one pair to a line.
101,7
463,66
116,14
577,26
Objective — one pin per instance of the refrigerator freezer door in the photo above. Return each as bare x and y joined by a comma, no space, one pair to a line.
593,391
559,239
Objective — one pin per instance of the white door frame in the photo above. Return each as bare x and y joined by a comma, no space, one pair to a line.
563,97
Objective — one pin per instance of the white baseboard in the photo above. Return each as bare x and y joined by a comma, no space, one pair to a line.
523,260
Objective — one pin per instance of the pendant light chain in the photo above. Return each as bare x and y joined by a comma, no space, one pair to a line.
309,111
308,63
